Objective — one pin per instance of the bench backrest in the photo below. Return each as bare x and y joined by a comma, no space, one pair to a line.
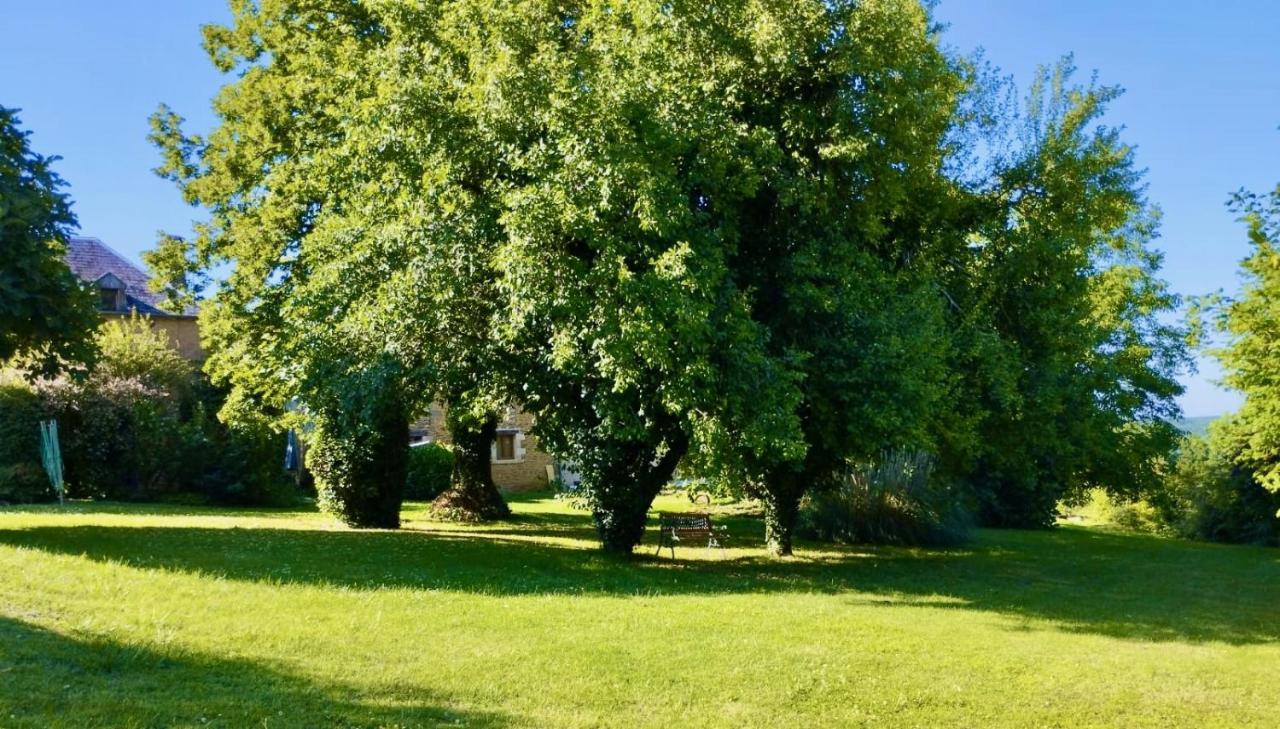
684,523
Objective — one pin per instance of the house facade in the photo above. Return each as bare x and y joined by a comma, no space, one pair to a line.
517,463
123,288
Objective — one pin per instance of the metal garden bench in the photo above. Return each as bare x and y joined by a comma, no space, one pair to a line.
692,528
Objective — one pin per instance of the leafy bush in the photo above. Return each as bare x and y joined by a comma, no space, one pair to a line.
139,428
1135,516
430,467
1209,497
893,501
118,436
130,349
22,477
359,450
24,483
239,464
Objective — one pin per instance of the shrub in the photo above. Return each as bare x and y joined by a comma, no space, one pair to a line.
239,464
119,437
430,468
23,483
1208,497
22,477
130,349
893,501
140,428
359,450
1134,516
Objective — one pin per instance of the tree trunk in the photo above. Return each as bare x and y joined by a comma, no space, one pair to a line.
387,476
781,507
360,471
621,508
472,495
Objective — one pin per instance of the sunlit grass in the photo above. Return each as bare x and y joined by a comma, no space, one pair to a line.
141,615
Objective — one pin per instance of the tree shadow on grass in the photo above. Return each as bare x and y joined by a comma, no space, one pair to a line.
1083,580
54,680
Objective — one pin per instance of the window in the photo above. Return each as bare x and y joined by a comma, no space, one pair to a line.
419,436
108,299
505,447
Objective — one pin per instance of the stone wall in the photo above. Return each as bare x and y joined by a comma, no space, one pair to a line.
183,333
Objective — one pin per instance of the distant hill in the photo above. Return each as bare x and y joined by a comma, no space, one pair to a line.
1195,426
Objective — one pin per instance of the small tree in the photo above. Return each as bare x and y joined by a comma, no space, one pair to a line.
47,316
131,348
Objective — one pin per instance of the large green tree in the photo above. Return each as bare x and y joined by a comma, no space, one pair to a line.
834,244
1251,357
47,317
712,220
289,208
1063,357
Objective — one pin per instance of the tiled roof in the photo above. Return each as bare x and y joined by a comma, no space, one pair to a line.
91,259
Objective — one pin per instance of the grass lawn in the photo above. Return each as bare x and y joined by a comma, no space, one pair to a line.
121,615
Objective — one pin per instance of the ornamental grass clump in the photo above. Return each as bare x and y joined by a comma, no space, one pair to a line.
893,500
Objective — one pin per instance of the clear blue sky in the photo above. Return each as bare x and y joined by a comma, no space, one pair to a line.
1203,106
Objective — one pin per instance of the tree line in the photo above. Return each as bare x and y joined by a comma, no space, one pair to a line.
754,240
757,241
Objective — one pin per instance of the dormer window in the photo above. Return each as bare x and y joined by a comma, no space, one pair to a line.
110,293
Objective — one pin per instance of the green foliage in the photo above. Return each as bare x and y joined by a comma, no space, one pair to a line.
237,463
1251,358
119,437
759,238
430,467
718,272
1136,516
1063,362
360,448
174,272
140,427
1209,497
120,425
895,500
133,349
304,225
46,316
23,483
22,477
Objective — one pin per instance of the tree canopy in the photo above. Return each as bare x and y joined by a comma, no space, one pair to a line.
47,318
760,240
1064,354
1251,358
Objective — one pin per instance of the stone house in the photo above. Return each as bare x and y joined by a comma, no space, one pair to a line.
123,287
518,464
